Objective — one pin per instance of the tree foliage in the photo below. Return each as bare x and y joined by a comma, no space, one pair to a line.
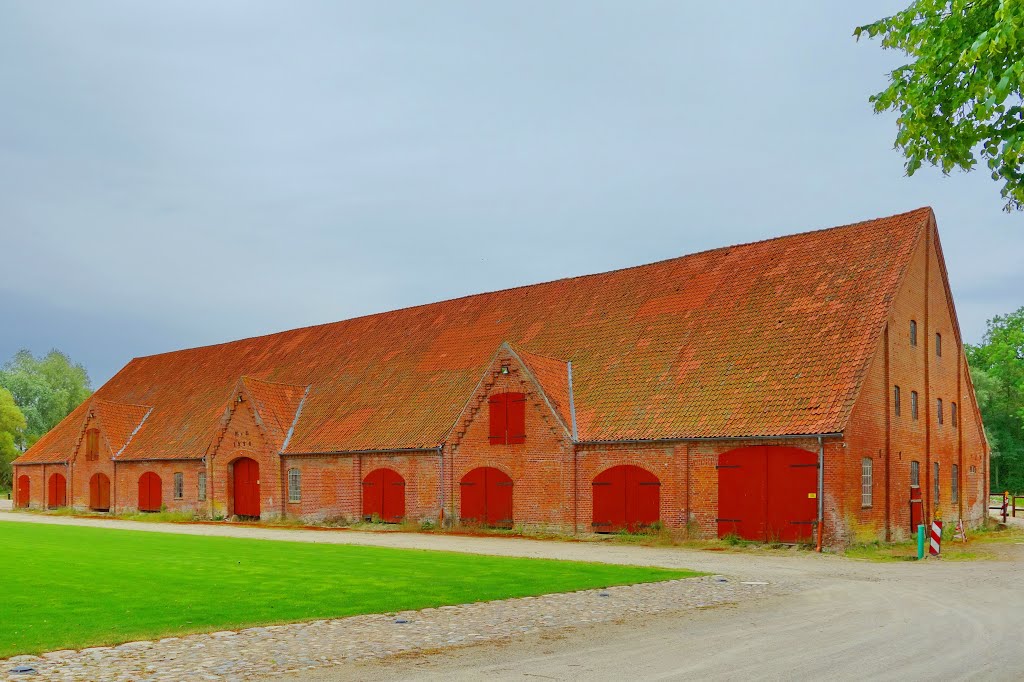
45,389
12,427
997,370
959,96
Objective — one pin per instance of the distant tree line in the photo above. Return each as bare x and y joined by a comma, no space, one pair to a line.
35,395
997,370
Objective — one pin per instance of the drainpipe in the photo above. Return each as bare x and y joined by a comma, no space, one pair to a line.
440,483
821,491
575,458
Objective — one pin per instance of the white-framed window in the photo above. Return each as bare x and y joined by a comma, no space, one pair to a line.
294,485
179,485
866,481
202,486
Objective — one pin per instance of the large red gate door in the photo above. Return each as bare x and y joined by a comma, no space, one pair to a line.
247,487
151,496
23,490
625,498
768,493
99,492
57,491
384,496
486,497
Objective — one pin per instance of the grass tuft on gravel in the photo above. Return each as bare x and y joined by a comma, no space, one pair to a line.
70,587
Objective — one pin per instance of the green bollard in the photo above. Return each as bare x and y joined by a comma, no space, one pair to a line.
920,542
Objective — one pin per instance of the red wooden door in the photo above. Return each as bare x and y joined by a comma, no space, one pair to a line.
99,492
487,497
792,482
247,487
768,493
151,497
625,498
24,487
384,496
916,509
57,491
741,493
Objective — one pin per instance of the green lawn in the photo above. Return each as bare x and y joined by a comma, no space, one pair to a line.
73,587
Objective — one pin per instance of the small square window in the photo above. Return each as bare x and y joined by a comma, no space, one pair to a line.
179,486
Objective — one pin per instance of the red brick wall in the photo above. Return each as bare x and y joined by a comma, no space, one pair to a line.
541,468
38,475
894,441
124,488
331,485
243,437
668,462
83,469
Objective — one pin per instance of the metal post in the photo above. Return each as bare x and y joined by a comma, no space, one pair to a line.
920,541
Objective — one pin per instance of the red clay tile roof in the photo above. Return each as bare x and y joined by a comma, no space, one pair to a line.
119,422
553,377
767,338
276,404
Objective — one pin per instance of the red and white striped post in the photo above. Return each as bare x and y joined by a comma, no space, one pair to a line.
936,545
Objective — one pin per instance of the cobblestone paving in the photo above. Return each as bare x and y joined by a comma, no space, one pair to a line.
263,651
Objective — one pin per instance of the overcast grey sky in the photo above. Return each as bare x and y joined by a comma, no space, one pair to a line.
177,174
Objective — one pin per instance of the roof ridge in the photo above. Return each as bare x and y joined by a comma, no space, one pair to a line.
538,284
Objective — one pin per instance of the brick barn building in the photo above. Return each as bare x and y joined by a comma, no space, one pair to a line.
752,389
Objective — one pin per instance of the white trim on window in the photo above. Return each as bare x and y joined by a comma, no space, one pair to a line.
294,485
866,482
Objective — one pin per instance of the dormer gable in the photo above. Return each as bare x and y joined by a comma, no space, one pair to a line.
514,379
108,428
274,407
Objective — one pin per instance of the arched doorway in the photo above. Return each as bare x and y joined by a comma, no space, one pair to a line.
768,493
625,498
246,480
384,496
487,497
151,495
57,491
99,492
24,487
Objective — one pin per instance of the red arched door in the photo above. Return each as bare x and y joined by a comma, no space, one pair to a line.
99,492
151,496
23,490
57,491
487,497
384,496
625,498
246,478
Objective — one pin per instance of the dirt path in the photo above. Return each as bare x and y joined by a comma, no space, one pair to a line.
929,620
